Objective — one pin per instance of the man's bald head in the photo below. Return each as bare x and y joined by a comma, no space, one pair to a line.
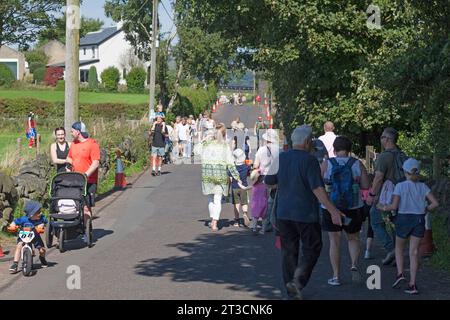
328,126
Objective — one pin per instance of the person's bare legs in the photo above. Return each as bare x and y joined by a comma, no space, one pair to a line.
413,258
354,248
237,211
18,251
399,248
335,244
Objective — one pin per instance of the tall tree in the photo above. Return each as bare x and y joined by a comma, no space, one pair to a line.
21,20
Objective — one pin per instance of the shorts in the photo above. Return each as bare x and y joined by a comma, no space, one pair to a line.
240,197
37,241
90,198
182,142
159,151
353,227
407,225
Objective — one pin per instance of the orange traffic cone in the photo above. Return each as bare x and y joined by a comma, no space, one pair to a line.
426,246
2,254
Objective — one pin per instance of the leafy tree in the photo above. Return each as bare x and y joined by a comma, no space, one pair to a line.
6,75
136,79
110,78
21,20
36,59
93,78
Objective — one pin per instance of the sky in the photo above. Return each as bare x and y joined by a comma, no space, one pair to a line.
94,9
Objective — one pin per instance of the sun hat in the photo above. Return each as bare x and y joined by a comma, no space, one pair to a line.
271,135
31,207
239,156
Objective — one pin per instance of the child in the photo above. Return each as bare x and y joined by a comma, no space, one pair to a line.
240,196
409,198
34,217
247,148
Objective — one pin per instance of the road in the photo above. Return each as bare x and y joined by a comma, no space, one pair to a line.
152,242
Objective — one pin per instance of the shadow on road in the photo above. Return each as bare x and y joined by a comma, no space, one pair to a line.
78,244
243,262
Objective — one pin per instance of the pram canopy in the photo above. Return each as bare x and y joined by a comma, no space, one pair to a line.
70,185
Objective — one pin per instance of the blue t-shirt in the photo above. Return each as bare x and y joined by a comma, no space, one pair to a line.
298,175
25,220
243,173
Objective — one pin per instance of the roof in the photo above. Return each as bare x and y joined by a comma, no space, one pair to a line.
82,63
98,37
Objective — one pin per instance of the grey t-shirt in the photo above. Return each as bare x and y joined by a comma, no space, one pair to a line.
412,197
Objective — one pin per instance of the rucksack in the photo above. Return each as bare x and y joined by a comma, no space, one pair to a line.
342,184
399,158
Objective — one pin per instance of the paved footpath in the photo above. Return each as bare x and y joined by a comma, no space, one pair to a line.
152,243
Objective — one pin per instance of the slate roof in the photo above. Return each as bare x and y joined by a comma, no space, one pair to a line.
98,37
82,63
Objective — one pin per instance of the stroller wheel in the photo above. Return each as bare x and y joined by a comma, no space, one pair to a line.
49,235
61,240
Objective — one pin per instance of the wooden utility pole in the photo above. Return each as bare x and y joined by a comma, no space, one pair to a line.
153,57
72,63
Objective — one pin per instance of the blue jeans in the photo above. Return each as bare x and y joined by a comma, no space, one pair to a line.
379,228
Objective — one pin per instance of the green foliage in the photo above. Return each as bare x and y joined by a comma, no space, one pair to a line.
136,79
110,78
60,85
93,78
441,258
6,75
36,58
39,74
194,100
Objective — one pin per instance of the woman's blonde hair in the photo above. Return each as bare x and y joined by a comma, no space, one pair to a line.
220,132
413,176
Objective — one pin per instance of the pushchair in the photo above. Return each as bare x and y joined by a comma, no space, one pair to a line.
68,193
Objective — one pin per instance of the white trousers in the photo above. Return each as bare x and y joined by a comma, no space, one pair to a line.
215,205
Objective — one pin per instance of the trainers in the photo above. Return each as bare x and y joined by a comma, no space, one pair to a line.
262,231
356,275
334,281
236,223
44,263
390,257
294,291
153,173
398,279
246,220
159,173
14,267
367,255
412,289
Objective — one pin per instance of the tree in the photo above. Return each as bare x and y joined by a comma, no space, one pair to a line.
57,31
36,59
110,78
21,20
136,79
136,16
93,78
6,75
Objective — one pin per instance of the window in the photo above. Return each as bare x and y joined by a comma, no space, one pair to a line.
124,73
84,75
93,52
84,51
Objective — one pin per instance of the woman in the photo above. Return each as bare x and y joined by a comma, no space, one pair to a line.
217,161
260,195
353,214
59,150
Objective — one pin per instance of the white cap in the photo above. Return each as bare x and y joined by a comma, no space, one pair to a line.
411,165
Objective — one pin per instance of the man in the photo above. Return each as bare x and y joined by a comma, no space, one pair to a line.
328,138
84,156
385,169
237,125
159,133
183,130
300,189
259,124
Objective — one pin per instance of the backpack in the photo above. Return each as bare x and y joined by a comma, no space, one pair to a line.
399,158
342,184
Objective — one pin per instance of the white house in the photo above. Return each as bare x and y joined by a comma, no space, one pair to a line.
103,49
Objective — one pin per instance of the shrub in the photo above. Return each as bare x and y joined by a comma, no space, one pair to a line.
60,85
93,78
194,101
110,78
136,79
53,75
36,58
6,75
39,74
34,66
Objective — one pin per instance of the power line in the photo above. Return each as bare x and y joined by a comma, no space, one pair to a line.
167,12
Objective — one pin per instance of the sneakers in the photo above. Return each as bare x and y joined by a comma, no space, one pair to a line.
246,220
367,255
334,281
398,280
236,223
412,289
153,173
159,173
294,291
13,268
44,263
356,275
390,257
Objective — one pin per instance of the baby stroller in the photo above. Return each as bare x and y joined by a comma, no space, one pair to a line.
68,193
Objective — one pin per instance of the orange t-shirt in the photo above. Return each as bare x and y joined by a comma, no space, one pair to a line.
82,155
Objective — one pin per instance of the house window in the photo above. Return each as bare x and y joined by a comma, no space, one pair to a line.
84,51
84,75
124,73
93,52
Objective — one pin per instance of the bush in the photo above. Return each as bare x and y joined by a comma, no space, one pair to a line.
194,101
60,85
52,75
110,78
39,74
136,79
6,75
36,58
93,78
34,66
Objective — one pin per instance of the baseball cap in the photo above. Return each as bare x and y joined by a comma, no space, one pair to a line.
31,207
411,165
80,126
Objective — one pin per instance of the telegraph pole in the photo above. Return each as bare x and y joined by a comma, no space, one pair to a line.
72,63
153,57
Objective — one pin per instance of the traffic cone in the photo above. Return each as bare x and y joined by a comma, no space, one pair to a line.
285,145
426,246
2,254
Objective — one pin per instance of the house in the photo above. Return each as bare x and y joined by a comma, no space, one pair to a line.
103,49
15,60
55,51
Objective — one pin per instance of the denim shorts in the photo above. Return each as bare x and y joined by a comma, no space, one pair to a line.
159,151
407,225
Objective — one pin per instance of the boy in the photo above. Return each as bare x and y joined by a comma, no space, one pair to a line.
34,217
240,196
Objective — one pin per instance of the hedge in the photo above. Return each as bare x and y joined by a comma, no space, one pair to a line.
110,78
39,74
93,78
136,79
